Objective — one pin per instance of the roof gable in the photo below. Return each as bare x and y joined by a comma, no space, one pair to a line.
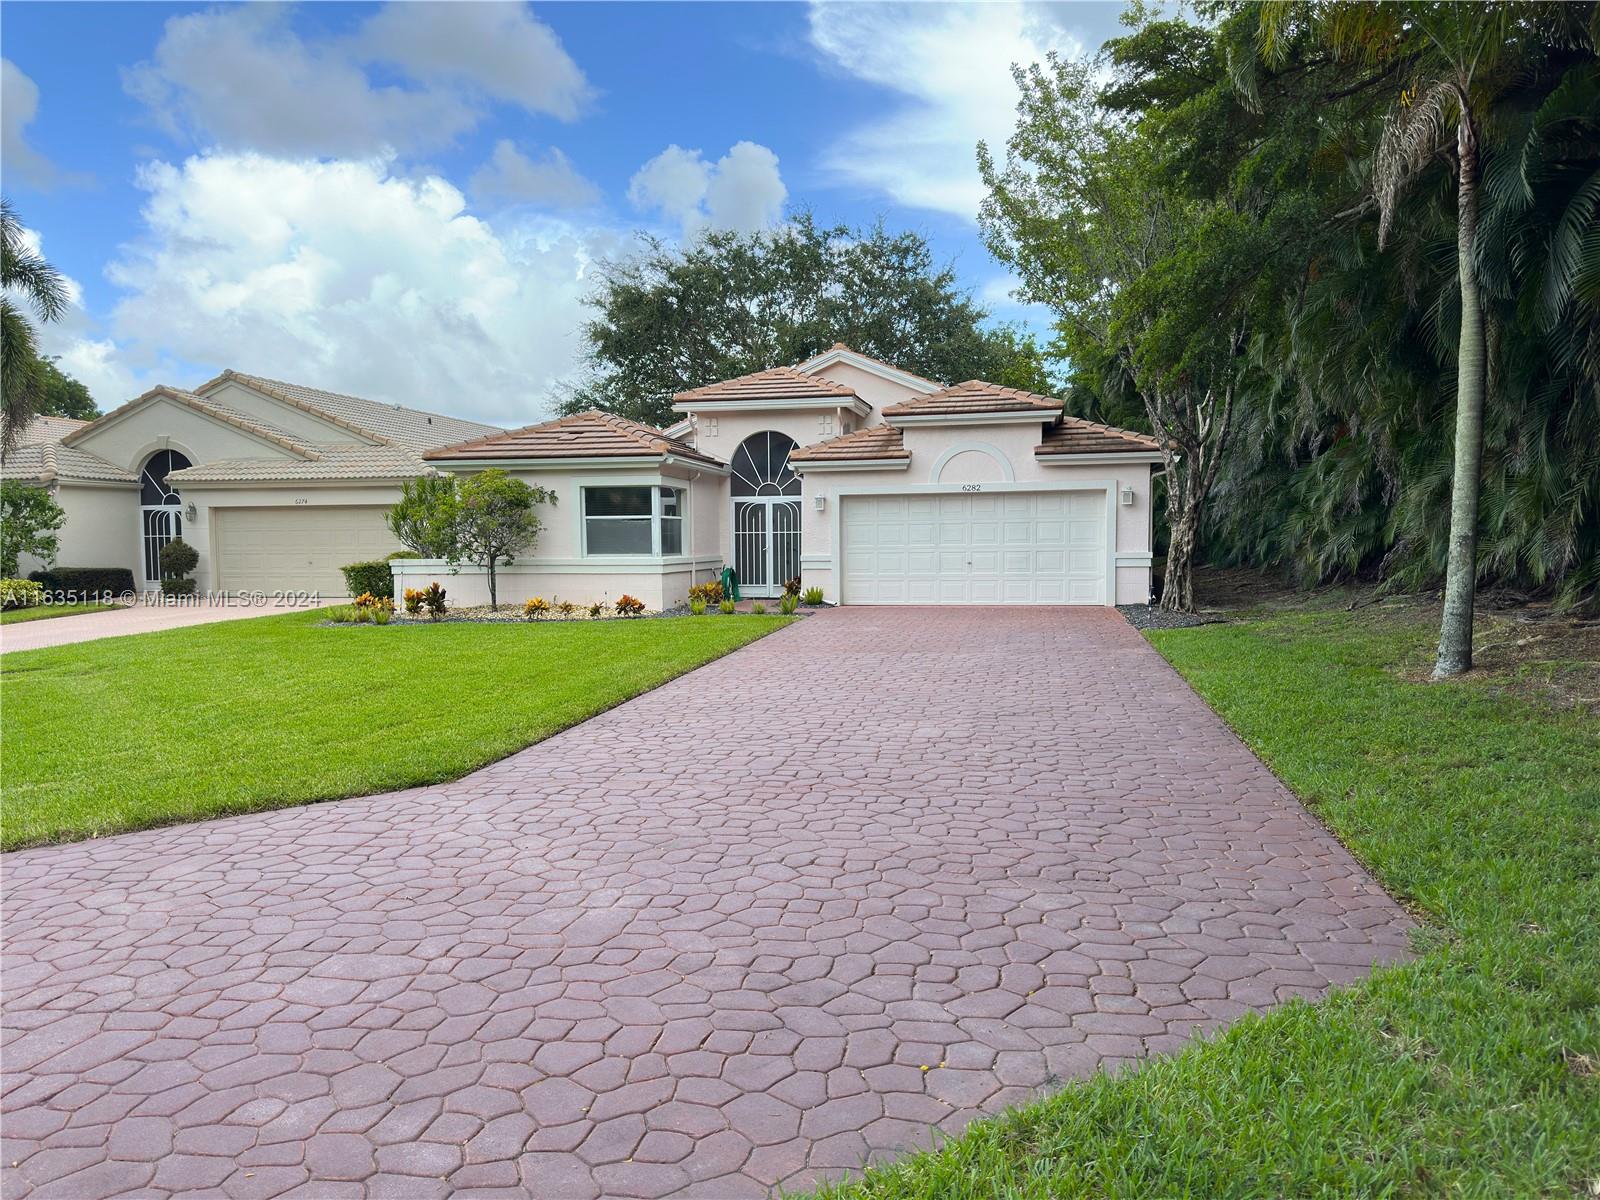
591,434
224,414
840,353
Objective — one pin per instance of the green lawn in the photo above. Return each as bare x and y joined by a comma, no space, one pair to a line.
1469,1072
43,612
242,715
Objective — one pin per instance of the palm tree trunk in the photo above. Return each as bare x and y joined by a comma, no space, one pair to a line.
1455,630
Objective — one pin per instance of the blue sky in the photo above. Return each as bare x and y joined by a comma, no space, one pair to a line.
407,201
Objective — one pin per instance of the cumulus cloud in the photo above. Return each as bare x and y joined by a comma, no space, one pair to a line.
243,78
19,104
550,181
951,66
344,276
742,191
501,48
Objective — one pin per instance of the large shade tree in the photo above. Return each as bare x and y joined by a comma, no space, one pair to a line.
669,317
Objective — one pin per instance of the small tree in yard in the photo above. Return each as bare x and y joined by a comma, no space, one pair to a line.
495,519
424,520
29,518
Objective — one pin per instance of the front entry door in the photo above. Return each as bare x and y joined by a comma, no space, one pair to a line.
766,544
160,526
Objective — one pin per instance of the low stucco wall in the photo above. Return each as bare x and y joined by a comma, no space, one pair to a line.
663,587
101,529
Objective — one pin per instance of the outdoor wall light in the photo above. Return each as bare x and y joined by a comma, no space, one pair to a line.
821,502
1127,495
190,512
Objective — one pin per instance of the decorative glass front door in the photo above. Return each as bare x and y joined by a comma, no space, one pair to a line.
766,544
766,514
160,511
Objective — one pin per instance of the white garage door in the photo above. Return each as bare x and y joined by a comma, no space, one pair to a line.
297,549
957,548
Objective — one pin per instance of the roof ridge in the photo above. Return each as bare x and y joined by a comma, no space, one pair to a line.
791,374
274,389
215,411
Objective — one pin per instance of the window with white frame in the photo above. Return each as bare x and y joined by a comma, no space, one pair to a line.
825,424
639,520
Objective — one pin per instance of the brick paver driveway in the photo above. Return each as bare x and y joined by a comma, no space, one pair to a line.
872,875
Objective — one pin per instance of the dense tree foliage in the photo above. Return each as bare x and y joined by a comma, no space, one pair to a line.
1253,158
670,318
60,395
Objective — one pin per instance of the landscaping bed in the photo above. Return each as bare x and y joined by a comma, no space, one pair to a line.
1473,1070
277,711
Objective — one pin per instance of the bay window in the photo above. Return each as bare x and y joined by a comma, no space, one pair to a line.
633,520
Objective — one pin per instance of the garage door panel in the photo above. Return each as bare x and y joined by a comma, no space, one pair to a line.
1010,548
297,548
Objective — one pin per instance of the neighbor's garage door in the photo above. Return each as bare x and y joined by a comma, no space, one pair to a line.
998,548
297,549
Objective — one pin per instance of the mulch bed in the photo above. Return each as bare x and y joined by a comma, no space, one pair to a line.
1145,616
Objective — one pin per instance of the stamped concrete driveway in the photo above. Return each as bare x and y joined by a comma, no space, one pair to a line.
875,874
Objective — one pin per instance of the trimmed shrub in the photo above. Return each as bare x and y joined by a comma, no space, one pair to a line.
179,587
85,583
20,593
370,578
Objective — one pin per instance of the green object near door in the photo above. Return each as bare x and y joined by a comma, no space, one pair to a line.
730,584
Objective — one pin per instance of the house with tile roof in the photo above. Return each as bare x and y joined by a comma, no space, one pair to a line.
276,485
875,484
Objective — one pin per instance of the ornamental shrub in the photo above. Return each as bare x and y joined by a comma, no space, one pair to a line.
85,583
759,609
597,609
20,593
29,519
788,604
709,593
413,601
566,608
433,600
813,596
697,606
791,587
178,561
536,608
727,607
369,578
629,606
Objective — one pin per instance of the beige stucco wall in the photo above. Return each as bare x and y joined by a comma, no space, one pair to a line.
558,566
983,455
165,424
101,529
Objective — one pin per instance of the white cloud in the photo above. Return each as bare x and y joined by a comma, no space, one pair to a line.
344,276
243,78
19,104
551,181
742,191
951,63
502,48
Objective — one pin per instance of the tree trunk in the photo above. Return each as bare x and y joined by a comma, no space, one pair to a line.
1455,629
1177,587
494,602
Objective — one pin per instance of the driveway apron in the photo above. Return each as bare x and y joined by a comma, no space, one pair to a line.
872,876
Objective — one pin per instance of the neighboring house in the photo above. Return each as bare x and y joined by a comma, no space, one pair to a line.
276,485
874,484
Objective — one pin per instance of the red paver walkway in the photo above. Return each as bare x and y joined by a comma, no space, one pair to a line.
875,874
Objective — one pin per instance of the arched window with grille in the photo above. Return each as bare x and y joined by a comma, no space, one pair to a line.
160,510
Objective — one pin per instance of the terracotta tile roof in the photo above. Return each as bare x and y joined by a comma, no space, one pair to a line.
973,396
42,462
775,384
1074,435
591,434
47,429
385,422
331,463
874,442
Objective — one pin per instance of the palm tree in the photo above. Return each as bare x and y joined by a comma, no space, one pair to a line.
25,274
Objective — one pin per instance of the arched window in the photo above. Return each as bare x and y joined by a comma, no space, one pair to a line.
154,491
761,466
